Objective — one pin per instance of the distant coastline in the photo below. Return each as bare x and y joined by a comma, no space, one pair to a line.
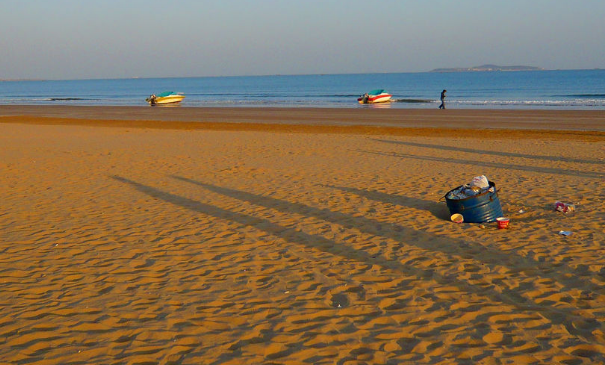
18,80
489,68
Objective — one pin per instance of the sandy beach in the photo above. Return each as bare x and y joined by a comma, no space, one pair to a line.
298,236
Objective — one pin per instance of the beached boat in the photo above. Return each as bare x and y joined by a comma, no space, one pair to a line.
375,96
167,97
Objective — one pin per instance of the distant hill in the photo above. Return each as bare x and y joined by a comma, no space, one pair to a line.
489,68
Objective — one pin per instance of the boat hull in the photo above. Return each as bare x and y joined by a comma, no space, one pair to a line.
373,99
172,99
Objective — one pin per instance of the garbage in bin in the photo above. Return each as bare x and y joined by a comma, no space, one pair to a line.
477,201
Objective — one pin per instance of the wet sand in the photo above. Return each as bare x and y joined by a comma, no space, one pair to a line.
245,118
295,236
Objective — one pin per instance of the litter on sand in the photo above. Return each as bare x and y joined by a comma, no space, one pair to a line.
503,222
564,207
457,218
565,233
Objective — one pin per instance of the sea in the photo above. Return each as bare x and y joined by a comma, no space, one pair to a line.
557,90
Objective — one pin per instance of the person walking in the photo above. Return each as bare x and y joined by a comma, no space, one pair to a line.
442,106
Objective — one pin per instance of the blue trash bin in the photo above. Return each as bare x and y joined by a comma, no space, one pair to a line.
481,208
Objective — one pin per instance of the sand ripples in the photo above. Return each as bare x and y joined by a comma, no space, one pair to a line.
142,247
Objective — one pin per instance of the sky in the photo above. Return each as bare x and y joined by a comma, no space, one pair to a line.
86,39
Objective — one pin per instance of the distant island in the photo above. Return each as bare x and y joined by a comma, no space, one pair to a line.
489,68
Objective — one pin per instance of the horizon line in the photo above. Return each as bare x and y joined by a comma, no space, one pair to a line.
287,75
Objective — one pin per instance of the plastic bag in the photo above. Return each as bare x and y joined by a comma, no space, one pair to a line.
480,182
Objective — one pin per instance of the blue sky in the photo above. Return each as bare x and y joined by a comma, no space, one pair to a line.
74,39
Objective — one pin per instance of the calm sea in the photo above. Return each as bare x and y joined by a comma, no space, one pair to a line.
565,89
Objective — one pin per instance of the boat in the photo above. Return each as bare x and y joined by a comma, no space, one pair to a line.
167,97
375,96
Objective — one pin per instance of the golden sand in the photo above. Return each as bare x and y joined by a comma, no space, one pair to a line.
259,242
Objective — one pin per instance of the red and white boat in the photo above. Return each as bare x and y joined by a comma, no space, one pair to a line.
375,96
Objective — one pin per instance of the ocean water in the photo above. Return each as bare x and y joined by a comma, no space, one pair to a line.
564,89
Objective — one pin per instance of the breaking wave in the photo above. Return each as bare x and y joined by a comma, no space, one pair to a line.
539,103
582,96
69,99
414,101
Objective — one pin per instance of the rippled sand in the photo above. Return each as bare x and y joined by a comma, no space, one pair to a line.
133,245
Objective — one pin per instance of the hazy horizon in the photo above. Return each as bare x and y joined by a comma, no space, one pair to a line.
70,39
302,74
